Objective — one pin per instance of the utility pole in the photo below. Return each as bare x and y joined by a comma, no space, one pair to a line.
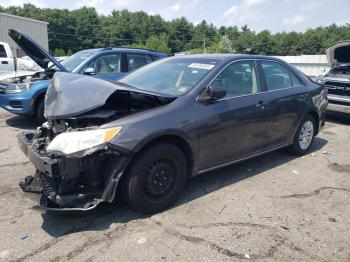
204,50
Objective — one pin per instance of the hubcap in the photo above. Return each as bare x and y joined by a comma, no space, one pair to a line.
306,135
159,179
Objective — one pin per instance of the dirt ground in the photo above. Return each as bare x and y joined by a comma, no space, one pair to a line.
272,208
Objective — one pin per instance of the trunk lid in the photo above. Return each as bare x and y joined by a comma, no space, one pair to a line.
34,50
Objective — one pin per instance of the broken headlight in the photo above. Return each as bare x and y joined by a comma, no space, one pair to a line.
81,142
13,88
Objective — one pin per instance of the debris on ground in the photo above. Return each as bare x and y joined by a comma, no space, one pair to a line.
331,219
244,210
222,209
24,237
247,256
284,228
295,172
327,153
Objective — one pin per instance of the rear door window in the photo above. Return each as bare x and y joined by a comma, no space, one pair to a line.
276,76
135,61
2,51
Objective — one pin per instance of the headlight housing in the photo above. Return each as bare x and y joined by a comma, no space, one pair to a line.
78,143
13,88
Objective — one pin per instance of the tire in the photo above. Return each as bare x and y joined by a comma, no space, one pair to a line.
39,112
303,137
155,178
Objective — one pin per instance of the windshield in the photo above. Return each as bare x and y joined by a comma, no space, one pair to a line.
75,60
174,76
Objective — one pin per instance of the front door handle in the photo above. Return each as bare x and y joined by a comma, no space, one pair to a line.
261,104
4,62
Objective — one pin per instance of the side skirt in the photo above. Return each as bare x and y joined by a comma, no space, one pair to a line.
241,159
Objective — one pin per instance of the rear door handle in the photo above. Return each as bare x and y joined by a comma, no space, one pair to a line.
261,104
4,62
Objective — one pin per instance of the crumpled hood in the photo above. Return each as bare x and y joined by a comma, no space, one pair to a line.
72,94
339,53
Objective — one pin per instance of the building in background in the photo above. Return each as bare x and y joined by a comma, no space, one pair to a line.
34,28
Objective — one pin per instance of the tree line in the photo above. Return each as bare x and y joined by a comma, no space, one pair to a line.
83,28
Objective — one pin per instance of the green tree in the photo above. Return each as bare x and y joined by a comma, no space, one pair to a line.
159,43
59,52
225,45
83,28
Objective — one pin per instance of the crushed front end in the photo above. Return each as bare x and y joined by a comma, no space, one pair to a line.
78,164
78,181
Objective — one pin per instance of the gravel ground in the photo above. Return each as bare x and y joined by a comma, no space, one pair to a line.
272,208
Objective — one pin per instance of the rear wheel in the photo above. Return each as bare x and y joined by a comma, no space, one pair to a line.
155,178
304,136
39,112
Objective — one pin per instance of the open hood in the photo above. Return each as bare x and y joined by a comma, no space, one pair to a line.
34,50
72,94
339,53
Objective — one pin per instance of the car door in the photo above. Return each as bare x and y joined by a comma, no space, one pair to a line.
234,126
106,66
287,102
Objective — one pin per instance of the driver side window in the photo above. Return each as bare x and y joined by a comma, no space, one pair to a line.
106,64
239,78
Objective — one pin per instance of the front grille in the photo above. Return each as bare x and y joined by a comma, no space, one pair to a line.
339,102
338,88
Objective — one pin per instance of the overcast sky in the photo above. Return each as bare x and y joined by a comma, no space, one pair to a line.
274,15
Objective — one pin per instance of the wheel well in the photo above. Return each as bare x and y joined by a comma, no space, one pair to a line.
176,140
37,100
317,119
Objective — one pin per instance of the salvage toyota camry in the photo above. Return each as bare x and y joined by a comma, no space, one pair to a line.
141,138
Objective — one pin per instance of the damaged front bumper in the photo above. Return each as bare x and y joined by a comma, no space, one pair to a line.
73,183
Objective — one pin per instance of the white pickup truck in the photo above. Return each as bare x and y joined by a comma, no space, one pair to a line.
7,63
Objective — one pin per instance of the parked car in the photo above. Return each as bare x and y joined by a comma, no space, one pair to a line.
9,64
143,136
24,95
337,79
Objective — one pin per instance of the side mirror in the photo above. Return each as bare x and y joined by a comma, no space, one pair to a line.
89,71
213,93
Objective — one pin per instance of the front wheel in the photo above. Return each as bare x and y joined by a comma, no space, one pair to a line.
155,178
39,112
304,136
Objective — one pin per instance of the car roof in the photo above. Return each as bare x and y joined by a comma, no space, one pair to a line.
125,49
228,57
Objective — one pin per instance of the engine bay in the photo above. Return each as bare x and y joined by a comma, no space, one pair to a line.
42,75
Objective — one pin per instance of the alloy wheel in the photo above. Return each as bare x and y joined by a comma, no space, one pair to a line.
306,135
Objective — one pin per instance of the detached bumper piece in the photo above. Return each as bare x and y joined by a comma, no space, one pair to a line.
73,183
